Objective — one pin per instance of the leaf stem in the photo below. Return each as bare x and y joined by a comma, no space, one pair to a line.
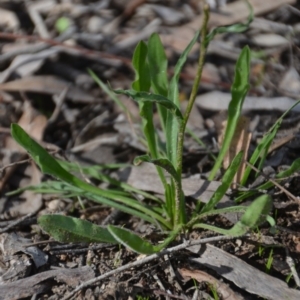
179,198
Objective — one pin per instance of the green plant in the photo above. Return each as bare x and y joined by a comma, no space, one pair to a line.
62,24
269,261
214,291
150,65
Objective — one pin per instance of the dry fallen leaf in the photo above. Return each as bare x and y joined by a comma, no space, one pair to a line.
223,289
240,142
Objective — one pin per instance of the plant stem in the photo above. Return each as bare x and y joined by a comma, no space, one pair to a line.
179,198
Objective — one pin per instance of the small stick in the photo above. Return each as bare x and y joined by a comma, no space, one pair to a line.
289,194
17,222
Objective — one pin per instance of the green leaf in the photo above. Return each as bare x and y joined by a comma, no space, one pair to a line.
131,240
72,230
262,148
154,98
142,83
142,80
44,160
161,162
256,213
50,166
226,182
239,91
235,28
172,126
158,65
62,24
109,92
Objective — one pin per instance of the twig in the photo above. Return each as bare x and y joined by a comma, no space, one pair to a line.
15,223
289,194
145,260
50,42
20,162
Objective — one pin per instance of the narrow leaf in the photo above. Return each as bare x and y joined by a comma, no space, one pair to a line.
148,97
226,182
72,230
239,91
235,28
161,162
142,83
158,65
50,166
131,240
172,126
44,160
262,148
256,213
142,80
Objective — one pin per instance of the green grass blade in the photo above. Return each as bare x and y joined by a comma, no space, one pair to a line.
261,151
226,182
239,91
72,230
131,240
172,126
108,91
295,167
262,148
